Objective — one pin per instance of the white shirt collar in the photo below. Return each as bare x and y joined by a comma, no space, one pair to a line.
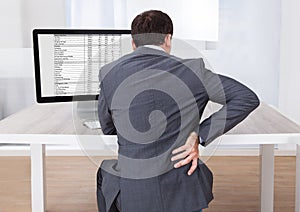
155,47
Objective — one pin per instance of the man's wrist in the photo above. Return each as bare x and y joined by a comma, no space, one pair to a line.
199,139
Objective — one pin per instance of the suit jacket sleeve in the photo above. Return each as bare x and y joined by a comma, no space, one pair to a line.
104,115
238,102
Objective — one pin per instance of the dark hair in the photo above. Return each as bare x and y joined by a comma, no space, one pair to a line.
151,28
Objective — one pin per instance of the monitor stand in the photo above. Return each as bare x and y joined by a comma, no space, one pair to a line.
87,112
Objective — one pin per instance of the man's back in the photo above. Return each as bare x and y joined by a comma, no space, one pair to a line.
155,102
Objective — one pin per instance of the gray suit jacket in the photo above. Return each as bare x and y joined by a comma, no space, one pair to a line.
152,101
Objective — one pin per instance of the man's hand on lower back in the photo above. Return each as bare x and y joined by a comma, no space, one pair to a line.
189,152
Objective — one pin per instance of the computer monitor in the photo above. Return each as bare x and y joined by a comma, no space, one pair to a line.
67,61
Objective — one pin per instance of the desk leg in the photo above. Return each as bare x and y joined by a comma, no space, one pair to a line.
297,207
38,188
266,177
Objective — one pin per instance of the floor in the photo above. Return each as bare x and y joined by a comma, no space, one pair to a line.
71,184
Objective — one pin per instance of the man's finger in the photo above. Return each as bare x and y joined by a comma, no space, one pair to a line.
180,156
179,149
194,166
185,161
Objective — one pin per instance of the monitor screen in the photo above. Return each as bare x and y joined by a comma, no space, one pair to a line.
67,61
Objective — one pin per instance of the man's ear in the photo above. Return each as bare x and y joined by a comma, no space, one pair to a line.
168,39
133,45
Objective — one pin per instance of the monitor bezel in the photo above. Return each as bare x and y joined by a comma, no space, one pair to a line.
53,99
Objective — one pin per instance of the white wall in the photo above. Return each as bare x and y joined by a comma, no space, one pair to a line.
289,85
10,23
249,45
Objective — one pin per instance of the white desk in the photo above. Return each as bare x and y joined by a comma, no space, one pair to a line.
40,125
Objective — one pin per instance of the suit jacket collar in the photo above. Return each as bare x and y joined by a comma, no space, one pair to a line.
148,50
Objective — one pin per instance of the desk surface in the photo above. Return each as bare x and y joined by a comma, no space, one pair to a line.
58,118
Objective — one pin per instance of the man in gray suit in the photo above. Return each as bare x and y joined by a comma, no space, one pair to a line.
153,102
